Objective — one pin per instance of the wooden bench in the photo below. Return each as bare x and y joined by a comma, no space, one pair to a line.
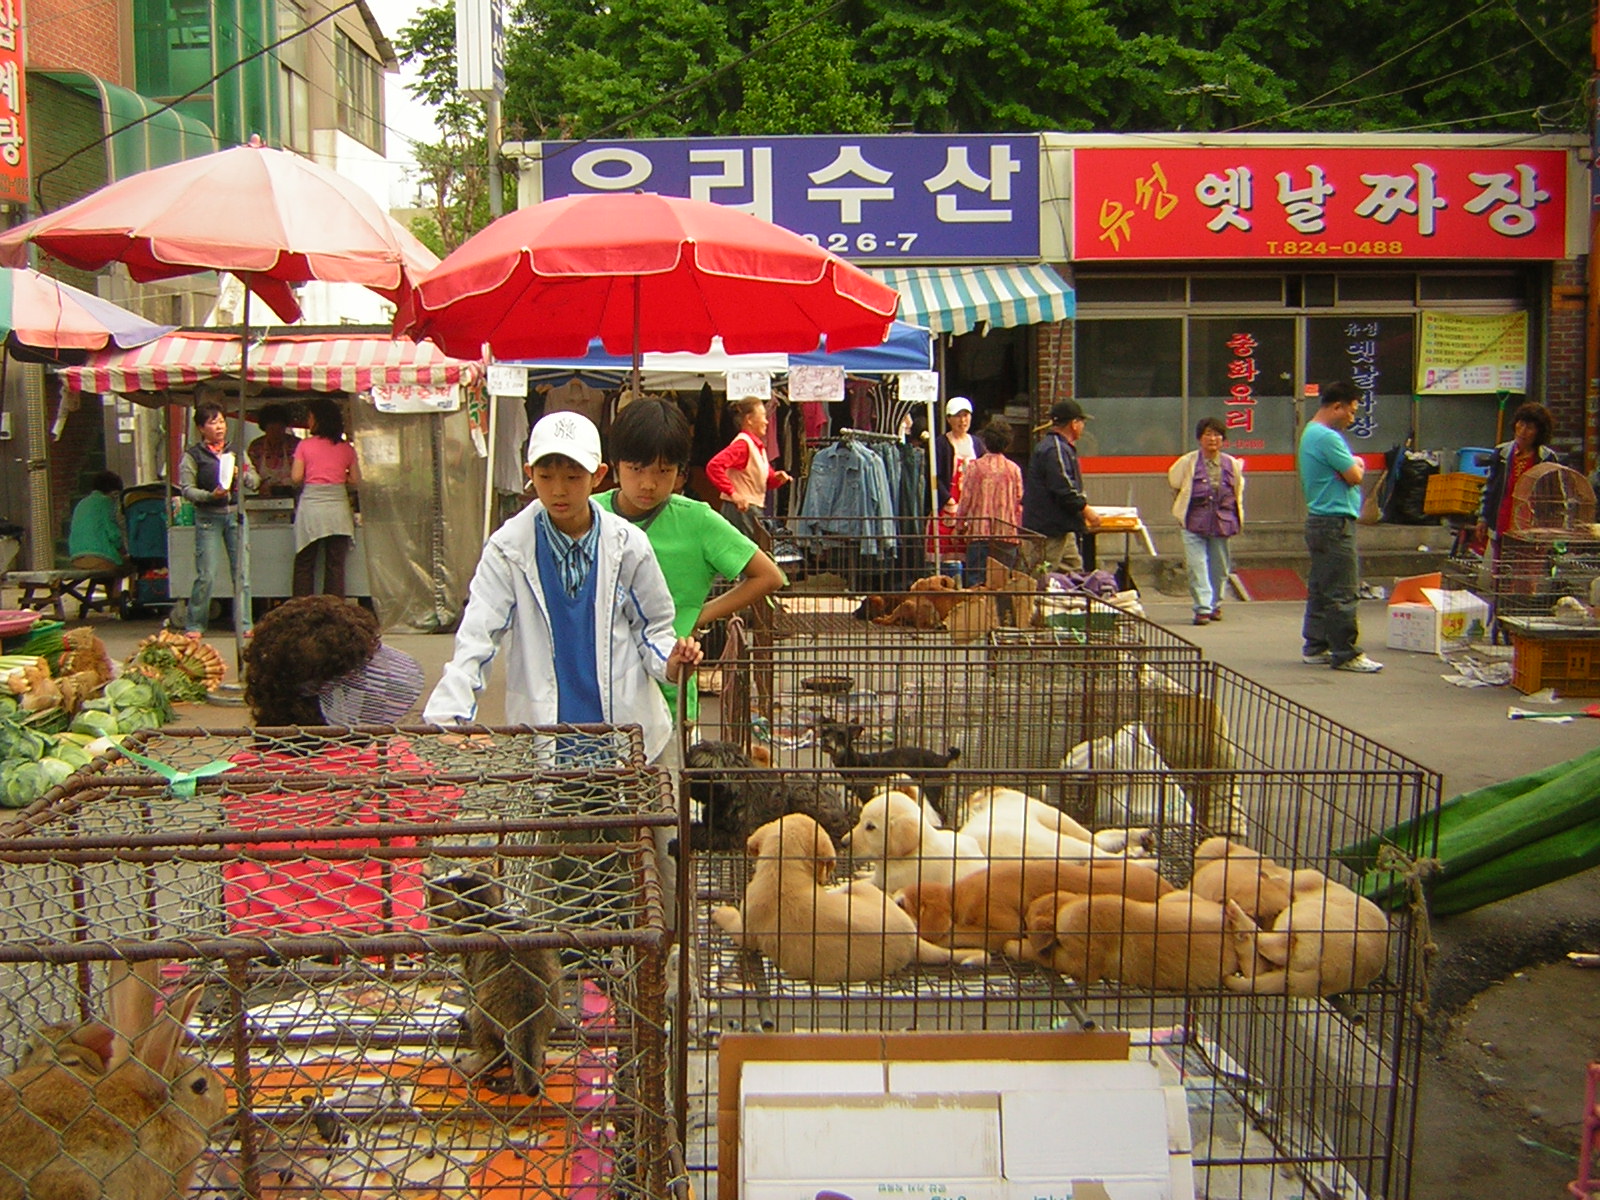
93,590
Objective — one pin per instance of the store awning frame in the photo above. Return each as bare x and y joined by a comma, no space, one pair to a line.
314,363
140,132
956,300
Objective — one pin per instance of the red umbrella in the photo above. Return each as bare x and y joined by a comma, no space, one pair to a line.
43,319
643,272
268,216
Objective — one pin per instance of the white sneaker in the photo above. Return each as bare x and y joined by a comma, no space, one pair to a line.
1322,659
1360,664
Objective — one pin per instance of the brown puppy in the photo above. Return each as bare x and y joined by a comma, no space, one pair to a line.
1180,942
1327,940
830,935
989,908
939,594
1225,870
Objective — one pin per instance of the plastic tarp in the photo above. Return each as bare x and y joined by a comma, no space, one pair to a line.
908,348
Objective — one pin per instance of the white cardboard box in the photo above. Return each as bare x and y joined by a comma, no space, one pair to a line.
1429,620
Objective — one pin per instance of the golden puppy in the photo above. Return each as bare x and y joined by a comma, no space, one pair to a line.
989,908
1225,870
1327,940
901,835
1180,942
829,935
936,596
1009,824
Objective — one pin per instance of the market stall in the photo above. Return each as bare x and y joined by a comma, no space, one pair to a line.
408,414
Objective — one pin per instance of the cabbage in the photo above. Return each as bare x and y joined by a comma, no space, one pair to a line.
21,783
95,724
56,769
127,693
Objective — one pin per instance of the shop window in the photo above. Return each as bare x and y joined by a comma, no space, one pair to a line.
1447,423
1501,286
1242,370
1130,376
1236,289
1376,353
1377,289
1129,289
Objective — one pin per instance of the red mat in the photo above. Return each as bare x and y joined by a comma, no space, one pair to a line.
1268,583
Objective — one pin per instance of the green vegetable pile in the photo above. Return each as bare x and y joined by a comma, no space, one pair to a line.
34,758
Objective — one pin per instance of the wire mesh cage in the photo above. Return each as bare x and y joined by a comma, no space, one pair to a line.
1102,924
1527,576
869,555
1552,501
422,964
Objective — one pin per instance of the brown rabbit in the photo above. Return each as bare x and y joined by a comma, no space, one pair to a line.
134,1132
83,1049
514,995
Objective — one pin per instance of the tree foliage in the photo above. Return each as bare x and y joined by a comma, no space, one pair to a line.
677,68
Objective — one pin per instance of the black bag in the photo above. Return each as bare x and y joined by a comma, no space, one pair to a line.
1406,485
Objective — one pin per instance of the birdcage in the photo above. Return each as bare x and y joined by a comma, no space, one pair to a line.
427,964
1316,1085
1552,501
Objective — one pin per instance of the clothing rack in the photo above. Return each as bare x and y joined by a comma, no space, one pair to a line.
868,435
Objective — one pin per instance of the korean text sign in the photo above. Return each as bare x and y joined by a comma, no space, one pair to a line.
13,107
906,196
1465,354
1317,203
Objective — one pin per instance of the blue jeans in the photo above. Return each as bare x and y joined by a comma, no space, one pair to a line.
1207,561
214,531
1331,588
979,553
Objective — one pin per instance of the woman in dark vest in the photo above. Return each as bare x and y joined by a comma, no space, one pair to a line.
1209,502
207,477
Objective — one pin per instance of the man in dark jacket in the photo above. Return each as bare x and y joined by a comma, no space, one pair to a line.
1053,502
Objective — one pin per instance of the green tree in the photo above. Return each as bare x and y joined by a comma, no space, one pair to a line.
806,81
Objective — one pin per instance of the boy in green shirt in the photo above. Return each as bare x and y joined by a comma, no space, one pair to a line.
650,444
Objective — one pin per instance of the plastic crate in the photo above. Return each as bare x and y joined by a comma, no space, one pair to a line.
1453,495
1570,665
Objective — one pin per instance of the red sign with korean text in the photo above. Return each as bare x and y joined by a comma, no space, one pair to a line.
14,177
1318,203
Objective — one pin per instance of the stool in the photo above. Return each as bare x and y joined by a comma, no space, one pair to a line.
93,590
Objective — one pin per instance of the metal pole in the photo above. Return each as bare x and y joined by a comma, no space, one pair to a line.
637,389
241,565
1591,337
488,473
491,109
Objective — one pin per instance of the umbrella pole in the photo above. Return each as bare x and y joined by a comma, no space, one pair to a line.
241,564
637,390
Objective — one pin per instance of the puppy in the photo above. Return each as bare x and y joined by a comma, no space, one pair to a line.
737,804
904,840
989,908
839,742
1327,940
932,599
813,932
1225,870
1180,942
1007,824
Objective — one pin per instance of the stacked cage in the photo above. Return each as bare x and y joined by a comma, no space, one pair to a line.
867,555
1154,752
412,964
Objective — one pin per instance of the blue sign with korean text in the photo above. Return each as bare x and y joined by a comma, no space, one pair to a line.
904,197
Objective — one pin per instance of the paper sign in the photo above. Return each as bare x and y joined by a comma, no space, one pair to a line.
225,469
919,387
378,449
1462,354
820,385
396,399
749,385
506,379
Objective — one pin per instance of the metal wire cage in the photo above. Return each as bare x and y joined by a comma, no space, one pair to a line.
373,916
1527,575
1322,1088
887,554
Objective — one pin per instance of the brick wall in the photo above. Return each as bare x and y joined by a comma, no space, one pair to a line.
1053,351
1564,385
68,35
63,121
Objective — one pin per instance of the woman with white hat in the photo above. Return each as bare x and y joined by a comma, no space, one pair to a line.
953,452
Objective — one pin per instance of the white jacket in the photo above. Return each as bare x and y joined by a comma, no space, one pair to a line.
1181,476
633,632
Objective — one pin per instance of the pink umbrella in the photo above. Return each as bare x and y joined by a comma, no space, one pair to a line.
643,272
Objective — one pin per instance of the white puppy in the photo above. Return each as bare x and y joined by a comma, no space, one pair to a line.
902,836
1009,825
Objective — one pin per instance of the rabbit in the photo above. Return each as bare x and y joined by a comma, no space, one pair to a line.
514,994
82,1049
134,1132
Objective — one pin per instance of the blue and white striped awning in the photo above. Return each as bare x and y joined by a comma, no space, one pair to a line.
955,299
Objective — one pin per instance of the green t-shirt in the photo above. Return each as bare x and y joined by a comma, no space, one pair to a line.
94,529
695,545
1324,454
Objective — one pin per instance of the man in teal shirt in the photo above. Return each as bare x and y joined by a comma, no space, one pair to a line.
1330,476
95,539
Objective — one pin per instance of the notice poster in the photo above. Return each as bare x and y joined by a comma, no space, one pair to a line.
818,385
1467,355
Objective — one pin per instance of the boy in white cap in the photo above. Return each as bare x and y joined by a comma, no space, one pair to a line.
580,593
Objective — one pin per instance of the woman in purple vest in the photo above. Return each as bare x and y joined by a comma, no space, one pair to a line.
1210,505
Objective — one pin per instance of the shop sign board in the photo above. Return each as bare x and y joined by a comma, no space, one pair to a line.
1318,204
14,175
1472,355
895,197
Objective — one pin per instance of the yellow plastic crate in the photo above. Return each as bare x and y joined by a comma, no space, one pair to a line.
1453,495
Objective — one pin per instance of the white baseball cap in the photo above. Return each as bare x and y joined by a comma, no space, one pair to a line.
957,404
569,434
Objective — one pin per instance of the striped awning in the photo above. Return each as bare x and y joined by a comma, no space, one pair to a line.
955,299
309,363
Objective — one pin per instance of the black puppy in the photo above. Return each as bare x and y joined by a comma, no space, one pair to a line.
839,742
736,805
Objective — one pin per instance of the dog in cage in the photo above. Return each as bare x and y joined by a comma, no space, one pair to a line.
1327,940
908,846
1227,869
514,996
821,933
838,741
734,807
124,1115
1009,824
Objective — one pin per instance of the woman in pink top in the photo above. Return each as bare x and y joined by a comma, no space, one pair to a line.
989,511
741,473
325,469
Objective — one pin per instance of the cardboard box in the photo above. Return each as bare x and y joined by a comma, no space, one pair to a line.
1426,619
